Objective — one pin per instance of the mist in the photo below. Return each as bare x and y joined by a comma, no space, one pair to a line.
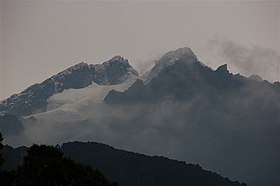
244,59
225,136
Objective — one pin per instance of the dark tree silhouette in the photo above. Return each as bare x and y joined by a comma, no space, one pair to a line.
46,165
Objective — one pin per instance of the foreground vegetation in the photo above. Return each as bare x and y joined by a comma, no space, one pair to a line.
47,165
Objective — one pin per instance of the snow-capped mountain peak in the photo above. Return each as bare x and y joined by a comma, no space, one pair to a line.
184,54
35,98
179,54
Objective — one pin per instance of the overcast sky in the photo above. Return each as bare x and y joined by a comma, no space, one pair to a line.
39,39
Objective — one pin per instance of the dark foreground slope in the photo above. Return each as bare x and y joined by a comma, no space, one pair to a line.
133,169
46,165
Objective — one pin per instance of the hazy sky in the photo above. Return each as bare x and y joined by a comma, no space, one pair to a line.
41,38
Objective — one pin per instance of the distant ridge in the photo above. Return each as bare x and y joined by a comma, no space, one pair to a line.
133,169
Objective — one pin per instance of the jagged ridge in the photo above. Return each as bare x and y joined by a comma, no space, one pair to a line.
34,98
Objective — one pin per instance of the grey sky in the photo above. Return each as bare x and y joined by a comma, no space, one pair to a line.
39,39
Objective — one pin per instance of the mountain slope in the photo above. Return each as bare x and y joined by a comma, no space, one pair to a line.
169,59
179,75
35,98
233,119
133,169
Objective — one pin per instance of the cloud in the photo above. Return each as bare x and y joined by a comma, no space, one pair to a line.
218,140
246,60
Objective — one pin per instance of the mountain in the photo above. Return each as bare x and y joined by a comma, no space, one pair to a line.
35,98
169,59
133,169
229,117
180,109
178,75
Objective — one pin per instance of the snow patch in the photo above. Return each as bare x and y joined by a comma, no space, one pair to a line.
71,105
185,54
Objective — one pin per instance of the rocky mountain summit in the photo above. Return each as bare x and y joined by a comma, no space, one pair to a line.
34,98
179,75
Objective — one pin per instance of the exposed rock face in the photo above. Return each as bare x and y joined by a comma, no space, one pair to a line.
222,69
113,72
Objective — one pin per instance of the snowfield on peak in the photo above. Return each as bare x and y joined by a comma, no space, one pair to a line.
184,54
71,104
